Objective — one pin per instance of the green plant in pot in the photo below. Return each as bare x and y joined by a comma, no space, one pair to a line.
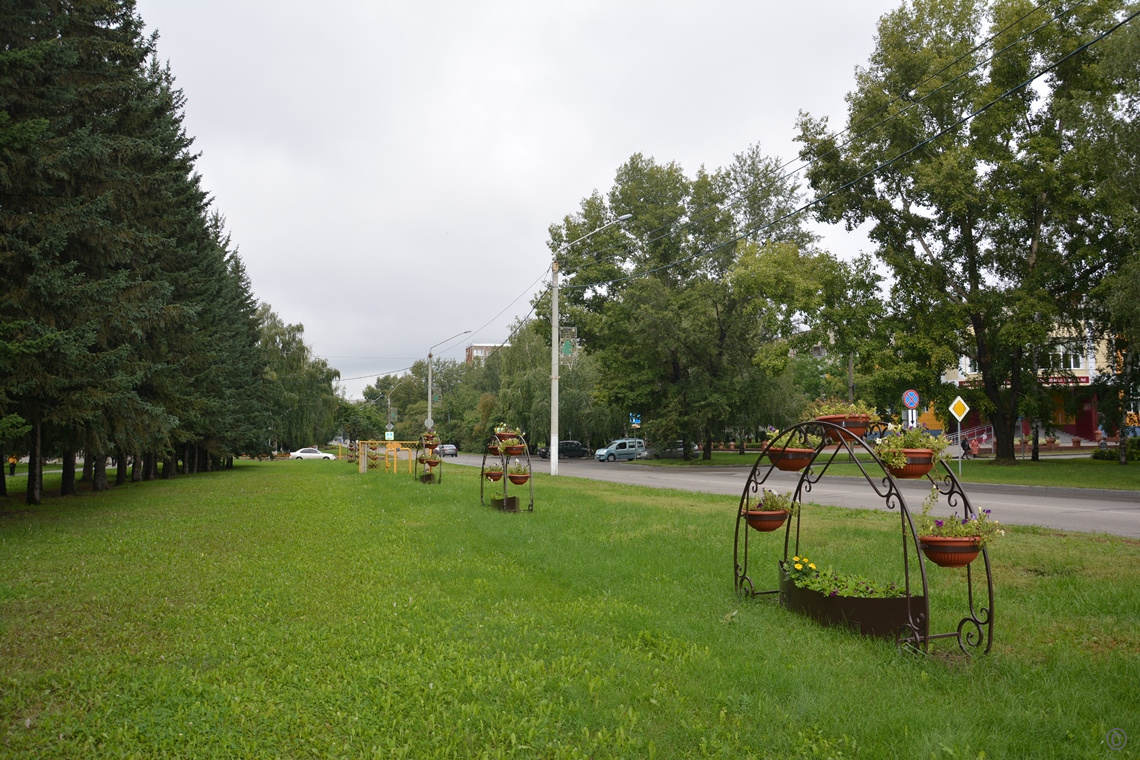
954,541
518,473
769,511
493,470
854,418
910,452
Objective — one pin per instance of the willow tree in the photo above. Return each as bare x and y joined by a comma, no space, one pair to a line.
959,152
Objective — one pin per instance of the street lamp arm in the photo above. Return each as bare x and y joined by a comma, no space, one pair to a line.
595,231
429,423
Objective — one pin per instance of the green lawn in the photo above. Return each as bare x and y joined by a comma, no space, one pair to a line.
298,609
1066,473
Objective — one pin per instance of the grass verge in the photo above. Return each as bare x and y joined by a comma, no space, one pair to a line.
299,609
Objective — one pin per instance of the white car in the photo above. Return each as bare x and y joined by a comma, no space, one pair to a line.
311,453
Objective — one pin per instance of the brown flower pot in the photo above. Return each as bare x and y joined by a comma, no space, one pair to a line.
493,449
950,551
790,459
431,462
518,479
514,451
854,425
506,435
765,521
918,463
494,475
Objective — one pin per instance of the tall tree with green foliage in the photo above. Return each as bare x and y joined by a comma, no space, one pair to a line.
966,175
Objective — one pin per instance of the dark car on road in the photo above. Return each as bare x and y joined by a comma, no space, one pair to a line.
566,450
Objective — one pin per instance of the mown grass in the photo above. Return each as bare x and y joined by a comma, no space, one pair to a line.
1064,473
298,609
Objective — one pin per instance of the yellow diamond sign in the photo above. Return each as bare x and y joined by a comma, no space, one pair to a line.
959,408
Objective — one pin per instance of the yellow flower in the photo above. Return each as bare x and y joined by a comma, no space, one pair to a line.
795,559
799,566
812,565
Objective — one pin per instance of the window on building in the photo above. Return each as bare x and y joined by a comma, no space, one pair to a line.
1067,356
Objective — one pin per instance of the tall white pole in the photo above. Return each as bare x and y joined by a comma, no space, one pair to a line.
554,343
554,368
430,418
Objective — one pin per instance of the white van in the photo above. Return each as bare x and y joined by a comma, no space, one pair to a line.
622,448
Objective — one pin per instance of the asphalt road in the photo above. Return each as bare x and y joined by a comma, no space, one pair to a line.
1068,509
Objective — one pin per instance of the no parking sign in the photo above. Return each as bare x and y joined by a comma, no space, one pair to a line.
910,401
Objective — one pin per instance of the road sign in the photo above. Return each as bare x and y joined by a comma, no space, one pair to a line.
429,423
634,419
389,427
959,409
910,399
389,436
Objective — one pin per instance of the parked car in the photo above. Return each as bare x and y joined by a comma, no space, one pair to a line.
448,450
311,453
566,450
622,448
673,450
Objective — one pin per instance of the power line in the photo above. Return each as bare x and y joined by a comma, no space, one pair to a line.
760,228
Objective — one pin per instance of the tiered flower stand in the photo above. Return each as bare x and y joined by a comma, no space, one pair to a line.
905,618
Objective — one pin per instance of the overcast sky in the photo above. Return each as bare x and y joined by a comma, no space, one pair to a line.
389,171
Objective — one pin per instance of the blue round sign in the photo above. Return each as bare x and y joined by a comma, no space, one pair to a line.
910,399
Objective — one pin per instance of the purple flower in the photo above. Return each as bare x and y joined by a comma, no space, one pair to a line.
965,522
986,511
834,593
938,523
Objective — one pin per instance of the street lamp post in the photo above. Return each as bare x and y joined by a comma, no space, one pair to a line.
429,423
389,396
554,342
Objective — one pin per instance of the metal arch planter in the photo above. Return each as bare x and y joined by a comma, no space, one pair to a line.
910,626
496,464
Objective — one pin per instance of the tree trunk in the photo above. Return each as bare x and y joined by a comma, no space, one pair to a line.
35,465
168,465
99,473
87,475
121,470
1123,433
67,485
150,466
3,475
137,468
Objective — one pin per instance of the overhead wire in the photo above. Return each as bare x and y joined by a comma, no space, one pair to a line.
760,228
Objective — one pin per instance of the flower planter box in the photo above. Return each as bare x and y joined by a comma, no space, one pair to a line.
1076,443
918,463
854,425
790,459
871,617
765,522
509,504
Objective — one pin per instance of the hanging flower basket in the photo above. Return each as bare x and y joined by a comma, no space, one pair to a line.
790,459
950,551
515,450
918,463
493,449
430,444
518,479
854,425
765,522
504,435
494,474
431,461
